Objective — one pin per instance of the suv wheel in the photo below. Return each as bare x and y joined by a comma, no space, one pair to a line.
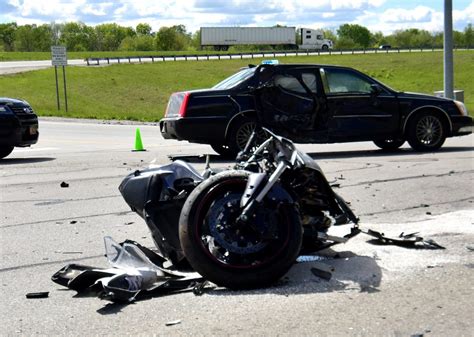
5,151
426,132
389,144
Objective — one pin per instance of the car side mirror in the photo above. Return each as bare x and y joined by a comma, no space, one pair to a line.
375,89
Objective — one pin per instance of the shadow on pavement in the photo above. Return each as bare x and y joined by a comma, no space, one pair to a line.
214,158
351,272
381,153
12,161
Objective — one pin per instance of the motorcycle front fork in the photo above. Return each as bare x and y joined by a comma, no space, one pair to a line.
254,202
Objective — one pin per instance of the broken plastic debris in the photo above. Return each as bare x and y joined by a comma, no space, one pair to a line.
137,272
198,289
322,270
64,184
170,323
403,240
310,258
42,294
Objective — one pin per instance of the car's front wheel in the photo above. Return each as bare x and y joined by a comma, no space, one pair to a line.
426,132
5,151
389,144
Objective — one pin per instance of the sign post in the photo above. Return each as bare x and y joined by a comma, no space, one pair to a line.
59,58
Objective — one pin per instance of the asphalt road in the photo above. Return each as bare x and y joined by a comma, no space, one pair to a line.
375,290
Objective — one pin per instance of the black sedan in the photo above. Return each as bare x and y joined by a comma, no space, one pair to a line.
18,125
311,104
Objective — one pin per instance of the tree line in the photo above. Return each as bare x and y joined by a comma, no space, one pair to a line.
77,36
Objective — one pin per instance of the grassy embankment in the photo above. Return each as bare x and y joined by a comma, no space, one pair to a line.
141,91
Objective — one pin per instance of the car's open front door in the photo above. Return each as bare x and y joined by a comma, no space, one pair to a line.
288,102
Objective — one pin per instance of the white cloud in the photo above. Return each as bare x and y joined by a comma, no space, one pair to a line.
101,9
465,15
329,15
50,7
377,15
419,13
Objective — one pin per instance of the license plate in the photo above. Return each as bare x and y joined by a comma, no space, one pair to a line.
33,130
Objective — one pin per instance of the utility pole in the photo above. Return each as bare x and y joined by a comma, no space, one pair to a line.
448,49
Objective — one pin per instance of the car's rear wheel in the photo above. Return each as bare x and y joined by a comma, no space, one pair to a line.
389,144
325,48
5,151
426,132
240,134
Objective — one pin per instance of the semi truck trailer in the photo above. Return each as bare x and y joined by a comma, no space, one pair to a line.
221,38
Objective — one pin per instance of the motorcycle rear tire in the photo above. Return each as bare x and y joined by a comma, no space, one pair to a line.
192,222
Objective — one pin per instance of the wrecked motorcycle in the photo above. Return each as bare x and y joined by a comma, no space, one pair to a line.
245,227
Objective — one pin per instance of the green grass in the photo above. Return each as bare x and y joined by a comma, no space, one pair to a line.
141,91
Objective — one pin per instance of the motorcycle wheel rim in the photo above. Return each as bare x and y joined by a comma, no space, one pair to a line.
224,257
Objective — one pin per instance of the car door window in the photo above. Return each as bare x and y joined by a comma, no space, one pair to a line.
342,81
309,80
289,83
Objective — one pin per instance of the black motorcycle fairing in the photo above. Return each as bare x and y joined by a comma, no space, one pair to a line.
136,187
158,195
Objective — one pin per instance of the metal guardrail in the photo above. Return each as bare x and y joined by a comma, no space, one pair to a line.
230,56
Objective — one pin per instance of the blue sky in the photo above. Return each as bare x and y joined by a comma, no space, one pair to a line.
377,15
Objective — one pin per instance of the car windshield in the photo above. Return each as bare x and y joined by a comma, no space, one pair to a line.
235,79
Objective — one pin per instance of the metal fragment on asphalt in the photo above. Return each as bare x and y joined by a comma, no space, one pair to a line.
41,294
322,270
170,323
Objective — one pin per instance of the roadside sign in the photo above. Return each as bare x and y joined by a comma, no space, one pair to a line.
58,56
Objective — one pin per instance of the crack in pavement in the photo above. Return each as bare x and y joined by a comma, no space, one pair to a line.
32,265
58,201
377,181
415,207
69,180
80,217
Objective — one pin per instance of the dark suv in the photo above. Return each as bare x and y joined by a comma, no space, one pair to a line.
18,125
311,104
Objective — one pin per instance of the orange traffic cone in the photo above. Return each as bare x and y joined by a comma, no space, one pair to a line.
138,141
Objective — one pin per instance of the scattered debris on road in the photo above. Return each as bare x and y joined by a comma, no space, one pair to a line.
64,184
42,294
310,258
170,323
135,272
404,240
199,288
322,270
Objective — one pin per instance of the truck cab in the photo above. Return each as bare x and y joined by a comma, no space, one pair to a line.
314,39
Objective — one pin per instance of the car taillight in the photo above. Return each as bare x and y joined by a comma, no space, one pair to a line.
184,105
